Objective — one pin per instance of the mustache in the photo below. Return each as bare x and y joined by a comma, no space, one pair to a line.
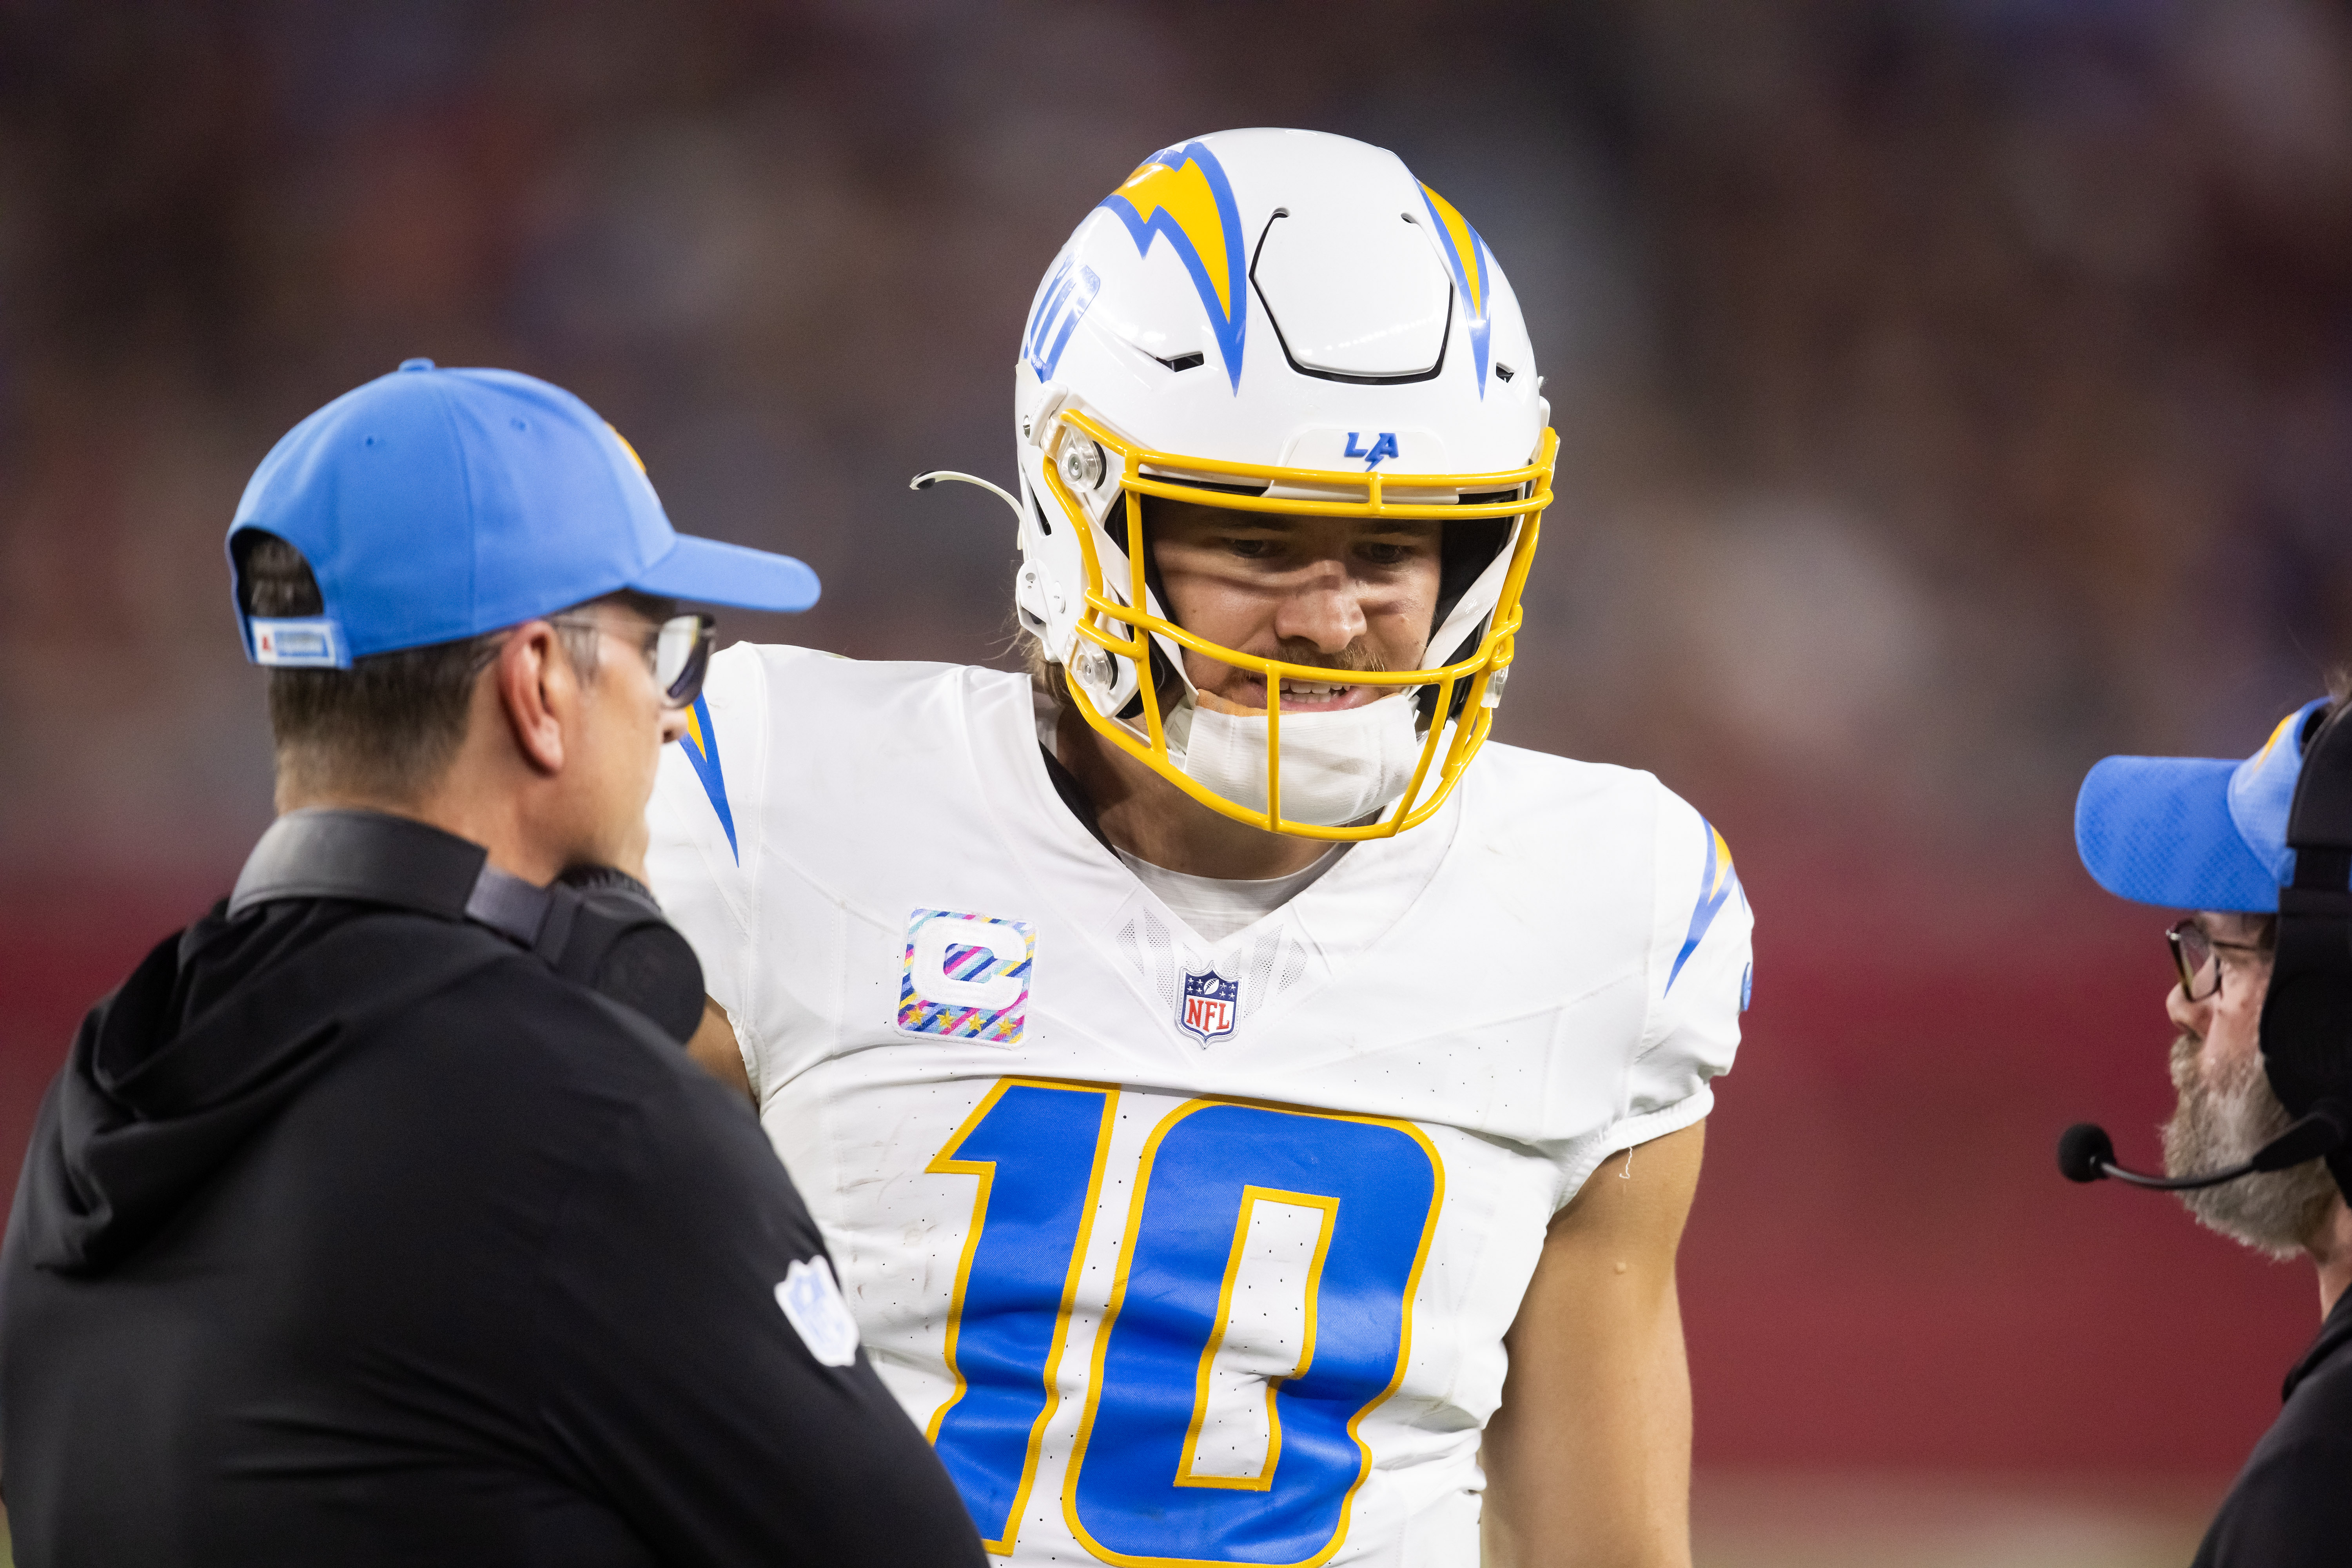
1357,658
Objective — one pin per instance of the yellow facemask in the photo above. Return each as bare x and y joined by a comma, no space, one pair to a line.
1110,629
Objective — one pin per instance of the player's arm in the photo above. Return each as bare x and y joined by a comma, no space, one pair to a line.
716,1051
1588,1460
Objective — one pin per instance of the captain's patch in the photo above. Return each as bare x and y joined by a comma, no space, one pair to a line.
966,976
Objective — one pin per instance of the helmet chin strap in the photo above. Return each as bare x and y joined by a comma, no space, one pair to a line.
1478,601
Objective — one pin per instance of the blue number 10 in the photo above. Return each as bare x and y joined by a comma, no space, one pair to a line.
1038,1149
1339,1208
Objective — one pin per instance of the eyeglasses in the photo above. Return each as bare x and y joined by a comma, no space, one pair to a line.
677,652
2198,957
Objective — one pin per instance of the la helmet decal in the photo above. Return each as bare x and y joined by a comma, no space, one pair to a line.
1182,193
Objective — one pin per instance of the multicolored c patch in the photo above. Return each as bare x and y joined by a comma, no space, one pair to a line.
965,976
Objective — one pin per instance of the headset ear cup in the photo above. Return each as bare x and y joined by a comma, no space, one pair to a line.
620,945
649,966
2307,1022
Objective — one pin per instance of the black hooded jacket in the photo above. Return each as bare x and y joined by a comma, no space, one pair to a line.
2290,1507
350,1235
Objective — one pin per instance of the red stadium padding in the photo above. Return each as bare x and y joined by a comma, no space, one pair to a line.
1884,1270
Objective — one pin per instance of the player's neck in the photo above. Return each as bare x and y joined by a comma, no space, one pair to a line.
1152,820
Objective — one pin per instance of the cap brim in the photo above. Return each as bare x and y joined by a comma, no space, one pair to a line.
710,573
2158,830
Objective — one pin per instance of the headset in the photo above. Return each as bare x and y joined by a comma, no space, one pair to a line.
595,926
2307,1022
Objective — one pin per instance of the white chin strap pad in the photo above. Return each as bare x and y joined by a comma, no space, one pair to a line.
1338,767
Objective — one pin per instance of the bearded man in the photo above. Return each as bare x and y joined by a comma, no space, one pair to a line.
2262,1064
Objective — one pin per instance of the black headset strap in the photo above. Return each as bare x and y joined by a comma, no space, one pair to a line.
2306,1022
595,926
2319,823
374,857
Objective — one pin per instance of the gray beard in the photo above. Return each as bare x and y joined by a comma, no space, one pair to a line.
2220,1122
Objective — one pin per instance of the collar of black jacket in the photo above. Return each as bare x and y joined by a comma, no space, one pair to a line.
375,857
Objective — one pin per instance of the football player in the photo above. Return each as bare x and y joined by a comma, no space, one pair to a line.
1205,1056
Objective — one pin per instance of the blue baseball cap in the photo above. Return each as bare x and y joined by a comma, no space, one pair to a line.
2196,833
437,504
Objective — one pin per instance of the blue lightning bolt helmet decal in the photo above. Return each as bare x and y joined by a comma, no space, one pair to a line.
1466,258
1182,193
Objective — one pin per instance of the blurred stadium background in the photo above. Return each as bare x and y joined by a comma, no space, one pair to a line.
1952,391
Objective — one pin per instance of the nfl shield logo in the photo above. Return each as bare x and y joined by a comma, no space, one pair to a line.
1209,1008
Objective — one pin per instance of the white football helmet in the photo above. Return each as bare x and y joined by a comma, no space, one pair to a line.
1278,321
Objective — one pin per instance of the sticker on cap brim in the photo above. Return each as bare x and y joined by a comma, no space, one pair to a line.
315,643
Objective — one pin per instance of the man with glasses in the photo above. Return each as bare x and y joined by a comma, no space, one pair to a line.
2213,835
380,1216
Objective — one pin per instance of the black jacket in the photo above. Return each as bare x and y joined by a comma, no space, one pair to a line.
2290,1507
349,1235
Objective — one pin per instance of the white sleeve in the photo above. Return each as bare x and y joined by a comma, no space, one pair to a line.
1698,977
704,823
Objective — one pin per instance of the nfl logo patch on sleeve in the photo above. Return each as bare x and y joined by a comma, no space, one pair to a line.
966,976
1209,1006
812,1305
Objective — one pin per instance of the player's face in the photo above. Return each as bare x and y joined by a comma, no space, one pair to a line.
622,728
1344,593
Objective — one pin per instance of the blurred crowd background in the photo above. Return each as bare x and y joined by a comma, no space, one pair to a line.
1952,392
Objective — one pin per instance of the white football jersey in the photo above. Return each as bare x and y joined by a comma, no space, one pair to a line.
1181,1251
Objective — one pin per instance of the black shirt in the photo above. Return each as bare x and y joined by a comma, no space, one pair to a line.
308,1267
2290,1507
